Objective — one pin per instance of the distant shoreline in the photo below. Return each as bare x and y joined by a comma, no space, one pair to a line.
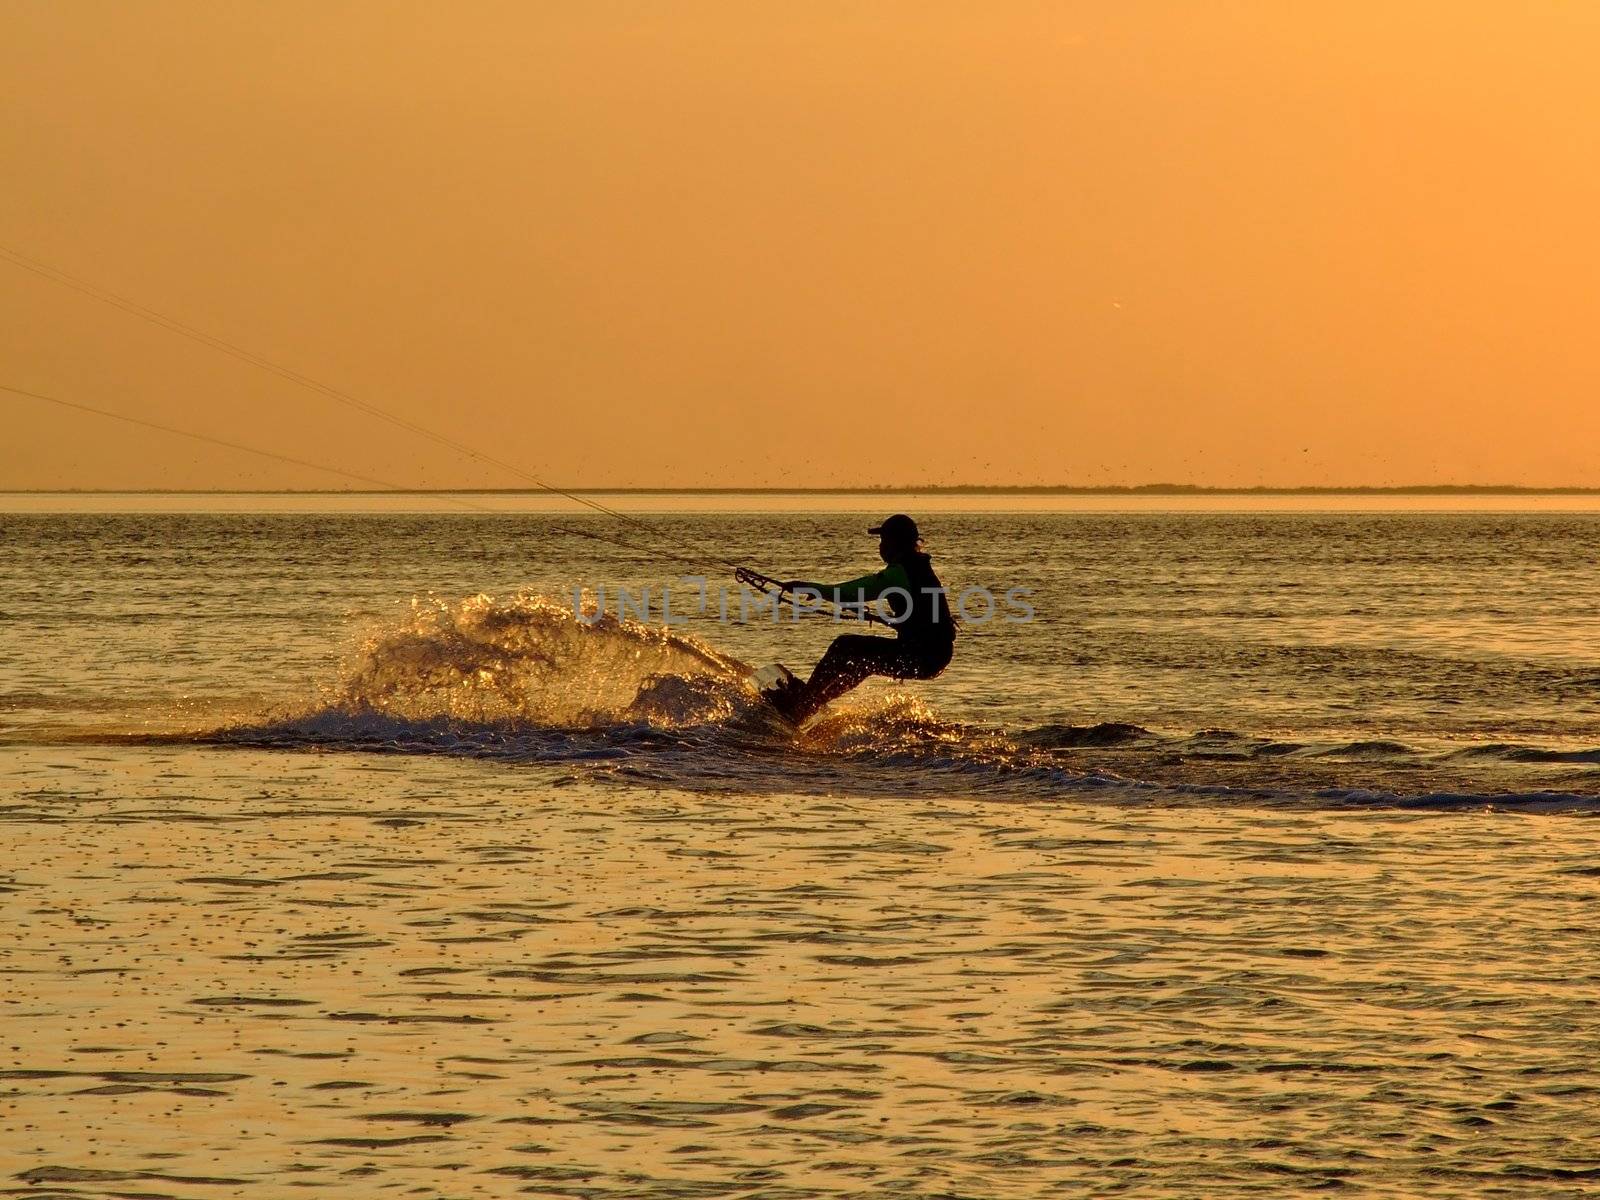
1145,489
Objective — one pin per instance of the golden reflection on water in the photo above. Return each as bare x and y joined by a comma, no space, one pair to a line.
379,974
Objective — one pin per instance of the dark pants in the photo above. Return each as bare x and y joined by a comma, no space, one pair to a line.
854,657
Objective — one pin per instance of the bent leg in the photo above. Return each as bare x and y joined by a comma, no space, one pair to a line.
850,659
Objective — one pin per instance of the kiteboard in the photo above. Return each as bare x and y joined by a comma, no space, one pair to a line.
772,682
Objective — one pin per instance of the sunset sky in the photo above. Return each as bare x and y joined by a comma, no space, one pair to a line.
735,243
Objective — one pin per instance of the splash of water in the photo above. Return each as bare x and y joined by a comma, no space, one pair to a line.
524,679
523,676
527,659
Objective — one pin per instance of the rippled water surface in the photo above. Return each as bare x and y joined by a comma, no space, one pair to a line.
339,856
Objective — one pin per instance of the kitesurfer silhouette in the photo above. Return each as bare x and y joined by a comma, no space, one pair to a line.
919,614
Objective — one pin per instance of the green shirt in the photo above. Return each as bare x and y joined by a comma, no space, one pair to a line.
869,587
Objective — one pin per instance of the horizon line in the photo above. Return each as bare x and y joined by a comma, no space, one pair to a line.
1143,489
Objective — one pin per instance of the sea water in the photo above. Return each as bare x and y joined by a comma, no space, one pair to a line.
342,852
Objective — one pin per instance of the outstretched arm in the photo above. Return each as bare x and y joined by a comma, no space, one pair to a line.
855,591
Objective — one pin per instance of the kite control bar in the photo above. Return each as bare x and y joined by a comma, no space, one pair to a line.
755,579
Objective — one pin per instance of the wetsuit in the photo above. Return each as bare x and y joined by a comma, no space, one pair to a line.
924,638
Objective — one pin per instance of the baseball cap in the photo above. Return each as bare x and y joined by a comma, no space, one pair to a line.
898,528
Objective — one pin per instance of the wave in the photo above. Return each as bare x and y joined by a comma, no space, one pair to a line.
1107,733
1368,750
524,679
1513,752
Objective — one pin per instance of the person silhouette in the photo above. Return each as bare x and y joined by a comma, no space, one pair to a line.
925,631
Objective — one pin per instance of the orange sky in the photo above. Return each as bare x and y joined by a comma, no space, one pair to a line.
728,243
